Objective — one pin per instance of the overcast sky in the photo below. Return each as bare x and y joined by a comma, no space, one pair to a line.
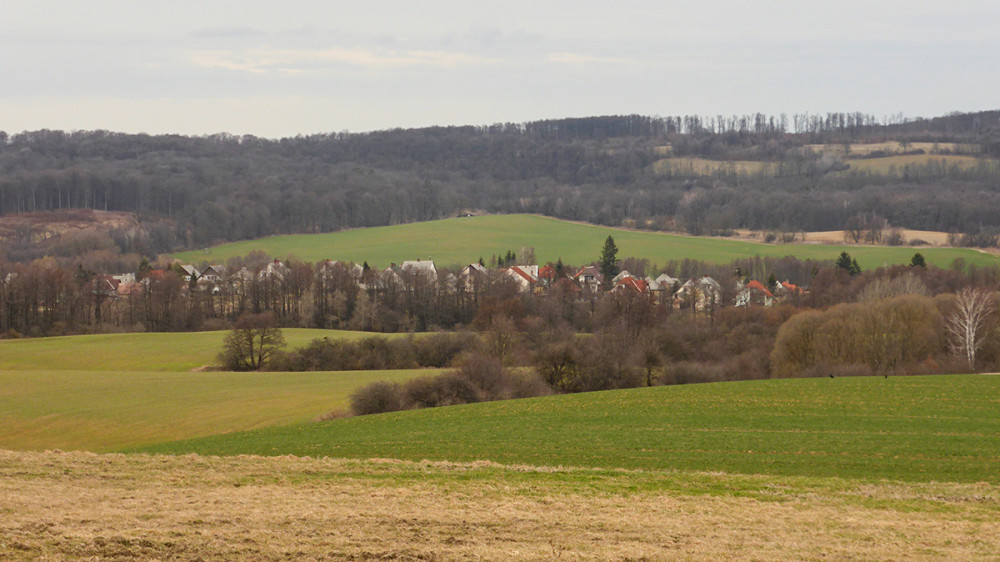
299,67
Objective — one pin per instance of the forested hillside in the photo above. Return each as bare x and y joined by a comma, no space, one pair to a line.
692,174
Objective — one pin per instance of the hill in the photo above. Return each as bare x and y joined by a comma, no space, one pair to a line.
460,241
105,392
923,428
697,175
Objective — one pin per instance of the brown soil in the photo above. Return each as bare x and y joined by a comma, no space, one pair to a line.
84,506
42,225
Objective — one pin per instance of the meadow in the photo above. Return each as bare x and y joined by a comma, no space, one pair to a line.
926,428
460,241
218,465
105,392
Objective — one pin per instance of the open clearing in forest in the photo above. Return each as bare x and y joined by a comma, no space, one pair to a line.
922,428
460,241
106,392
79,505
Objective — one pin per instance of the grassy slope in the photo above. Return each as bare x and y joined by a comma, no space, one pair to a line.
136,352
106,410
109,391
908,428
463,240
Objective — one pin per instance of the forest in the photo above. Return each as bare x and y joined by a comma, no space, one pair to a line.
779,173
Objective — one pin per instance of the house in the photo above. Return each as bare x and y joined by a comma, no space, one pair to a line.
700,293
786,290
472,277
633,284
621,275
106,286
522,275
124,278
213,274
667,283
190,272
754,293
275,271
425,269
590,278
547,275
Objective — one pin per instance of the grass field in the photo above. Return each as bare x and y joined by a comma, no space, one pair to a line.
460,241
895,164
80,506
110,391
137,351
929,428
704,167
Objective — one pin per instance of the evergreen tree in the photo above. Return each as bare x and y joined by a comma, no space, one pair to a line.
609,260
918,260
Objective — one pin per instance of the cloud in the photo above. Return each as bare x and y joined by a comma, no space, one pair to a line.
578,59
265,60
227,31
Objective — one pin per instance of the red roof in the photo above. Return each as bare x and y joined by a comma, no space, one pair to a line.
637,285
758,286
791,288
524,274
547,272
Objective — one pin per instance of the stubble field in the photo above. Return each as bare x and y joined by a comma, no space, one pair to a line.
84,506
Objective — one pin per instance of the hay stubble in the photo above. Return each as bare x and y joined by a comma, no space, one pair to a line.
79,505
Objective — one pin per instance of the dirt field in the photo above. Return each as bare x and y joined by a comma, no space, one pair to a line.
933,238
81,505
43,225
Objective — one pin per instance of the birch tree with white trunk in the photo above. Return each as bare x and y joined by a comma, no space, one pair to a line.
966,324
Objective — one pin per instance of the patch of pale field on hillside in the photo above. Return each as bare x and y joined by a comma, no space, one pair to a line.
836,237
82,505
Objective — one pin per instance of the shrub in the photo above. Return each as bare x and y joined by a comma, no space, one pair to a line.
376,398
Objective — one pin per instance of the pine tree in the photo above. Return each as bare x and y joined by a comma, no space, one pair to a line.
609,261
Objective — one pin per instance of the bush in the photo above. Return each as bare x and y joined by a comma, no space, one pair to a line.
447,389
376,398
488,375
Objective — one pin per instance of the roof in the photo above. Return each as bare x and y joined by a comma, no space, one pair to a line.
637,285
592,272
758,286
547,272
520,272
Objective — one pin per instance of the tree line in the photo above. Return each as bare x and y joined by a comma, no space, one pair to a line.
601,170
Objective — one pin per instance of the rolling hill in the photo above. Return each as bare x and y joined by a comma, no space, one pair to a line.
462,240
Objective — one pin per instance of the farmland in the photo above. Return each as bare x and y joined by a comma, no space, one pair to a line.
902,428
898,468
105,392
458,241
76,505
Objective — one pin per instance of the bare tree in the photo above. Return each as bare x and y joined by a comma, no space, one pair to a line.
253,340
965,325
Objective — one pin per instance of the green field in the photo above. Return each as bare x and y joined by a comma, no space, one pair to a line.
110,391
138,351
460,241
929,428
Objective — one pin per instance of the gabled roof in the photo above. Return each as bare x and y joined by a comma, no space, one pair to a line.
757,286
621,275
420,267
519,271
547,272
786,285
590,271
637,285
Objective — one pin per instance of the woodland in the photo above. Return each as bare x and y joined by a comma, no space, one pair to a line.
192,192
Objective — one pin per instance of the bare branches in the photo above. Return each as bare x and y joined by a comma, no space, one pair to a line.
965,325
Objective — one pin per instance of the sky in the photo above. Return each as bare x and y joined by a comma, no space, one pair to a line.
275,69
